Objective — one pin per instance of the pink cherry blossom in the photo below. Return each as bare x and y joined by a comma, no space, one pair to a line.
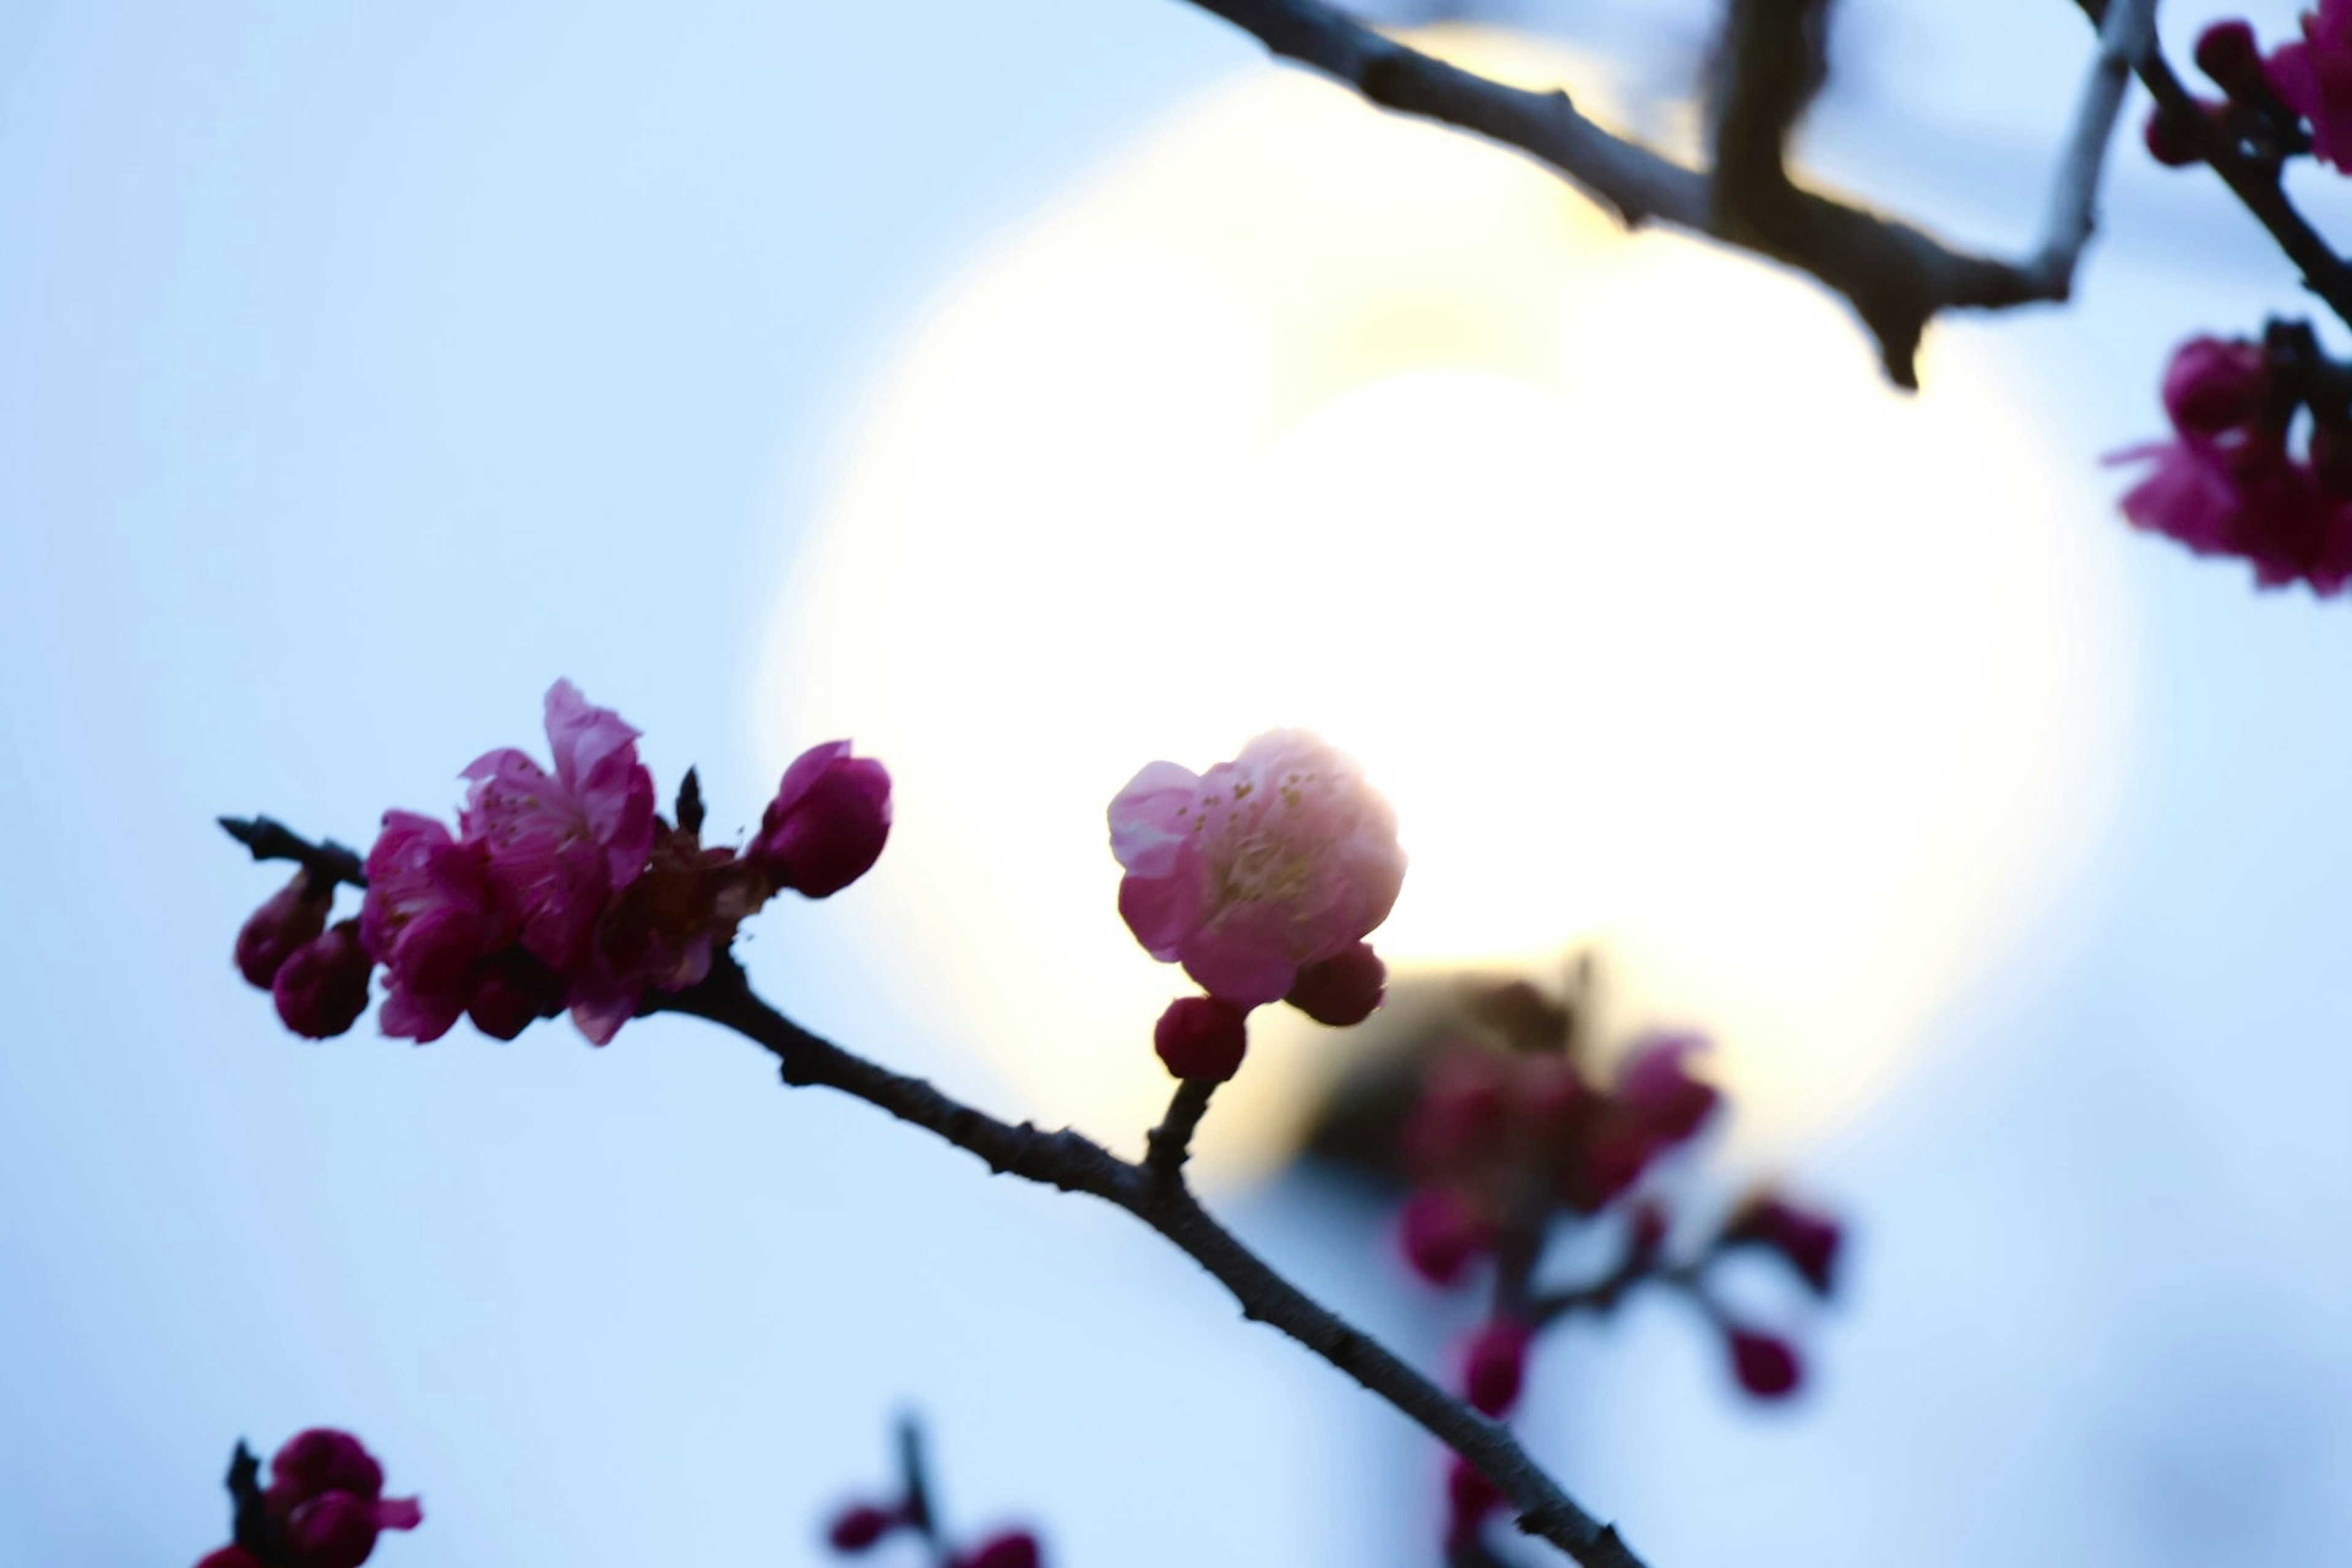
2214,384
432,914
2315,77
1281,859
2244,496
562,844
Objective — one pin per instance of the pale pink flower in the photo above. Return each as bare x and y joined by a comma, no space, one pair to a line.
1281,859
562,844
432,914
2315,77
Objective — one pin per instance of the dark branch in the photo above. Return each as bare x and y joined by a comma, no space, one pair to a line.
271,840
2254,180
1170,1144
1071,1163
1896,276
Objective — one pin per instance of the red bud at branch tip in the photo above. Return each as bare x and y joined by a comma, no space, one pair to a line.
1199,1037
323,987
1014,1548
1495,1368
1342,991
2227,52
1767,1366
861,1526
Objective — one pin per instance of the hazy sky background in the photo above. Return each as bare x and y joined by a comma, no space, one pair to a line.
363,368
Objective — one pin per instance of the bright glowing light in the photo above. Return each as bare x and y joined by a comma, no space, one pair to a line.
1655,614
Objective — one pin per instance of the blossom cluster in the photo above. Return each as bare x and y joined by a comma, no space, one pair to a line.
561,889
2296,100
2229,481
324,1506
862,1525
1512,1138
1262,878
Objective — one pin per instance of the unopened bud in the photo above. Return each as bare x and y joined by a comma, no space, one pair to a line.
294,915
1199,1037
1495,1366
861,1526
2213,385
827,825
1440,1231
1807,1241
1765,1364
2227,52
2176,137
1014,1548
323,987
1342,991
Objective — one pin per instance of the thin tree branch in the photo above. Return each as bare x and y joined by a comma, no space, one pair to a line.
1896,276
272,840
1071,1163
1170,1144
2255,180
2126,37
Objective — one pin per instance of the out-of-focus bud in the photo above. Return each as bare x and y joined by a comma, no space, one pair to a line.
1494,1365
2214,384
512,990
861,1526
336,1530
2175,138
1199,1037
320,1459
1765,1364
1463,1107
2227,52
1342,991
1807,1241
1656,1089
827,825
1550,1092
230,1557
293,917
323,987
1469,1498
1440,1231
1014,1548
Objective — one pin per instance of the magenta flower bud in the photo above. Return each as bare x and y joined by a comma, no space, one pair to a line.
2312,74
323,987
2177,140
1807,1241
1495,1366
293,917
1440,1231
1342,991
321,1459
861,1526
1766,1365
1199,1037
827,825
1014,1548
2214,384
1469,1498
2227,52
512,990
1658,1093
336,1530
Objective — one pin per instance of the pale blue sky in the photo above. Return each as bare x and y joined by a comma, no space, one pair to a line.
362,368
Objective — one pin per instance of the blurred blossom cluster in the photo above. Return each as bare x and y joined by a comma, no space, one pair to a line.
1510,1138
324,1506
561,889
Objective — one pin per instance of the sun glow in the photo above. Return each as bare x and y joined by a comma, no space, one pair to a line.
1658,617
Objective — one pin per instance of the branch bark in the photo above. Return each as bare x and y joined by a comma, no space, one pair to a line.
1160,1199
1896,276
